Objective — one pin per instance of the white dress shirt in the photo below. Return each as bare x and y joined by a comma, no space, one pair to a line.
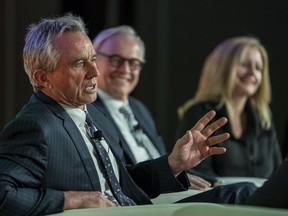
113,105
79,116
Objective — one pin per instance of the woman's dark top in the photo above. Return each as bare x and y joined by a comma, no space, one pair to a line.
255,154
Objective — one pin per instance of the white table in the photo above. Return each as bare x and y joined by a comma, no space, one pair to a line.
173,197
163,206
179,209
230,180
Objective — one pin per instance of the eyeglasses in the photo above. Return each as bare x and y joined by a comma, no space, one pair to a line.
117,60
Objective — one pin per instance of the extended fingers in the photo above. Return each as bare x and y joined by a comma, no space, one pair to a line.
217,139
216,151
210,129
201,124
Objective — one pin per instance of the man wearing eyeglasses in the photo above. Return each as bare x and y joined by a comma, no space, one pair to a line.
61,153
120,57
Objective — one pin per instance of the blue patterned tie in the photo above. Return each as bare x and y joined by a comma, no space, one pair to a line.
110,176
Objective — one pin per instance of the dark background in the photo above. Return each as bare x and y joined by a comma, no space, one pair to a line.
179,34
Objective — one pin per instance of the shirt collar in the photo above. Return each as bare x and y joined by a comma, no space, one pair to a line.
77,115
111,103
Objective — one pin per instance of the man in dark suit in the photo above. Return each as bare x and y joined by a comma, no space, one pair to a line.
50,159
121,54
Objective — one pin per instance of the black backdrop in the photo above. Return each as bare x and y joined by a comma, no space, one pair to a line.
179,34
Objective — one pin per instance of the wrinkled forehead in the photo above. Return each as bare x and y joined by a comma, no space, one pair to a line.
73,42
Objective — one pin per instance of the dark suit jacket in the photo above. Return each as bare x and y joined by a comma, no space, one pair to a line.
255,154
146,122
42,154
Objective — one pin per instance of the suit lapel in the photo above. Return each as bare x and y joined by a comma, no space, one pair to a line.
100,105
108,130
76,138
143,121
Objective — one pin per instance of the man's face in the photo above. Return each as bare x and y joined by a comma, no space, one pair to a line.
74,82
117,78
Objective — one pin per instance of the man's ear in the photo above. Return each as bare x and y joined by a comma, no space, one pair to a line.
41,77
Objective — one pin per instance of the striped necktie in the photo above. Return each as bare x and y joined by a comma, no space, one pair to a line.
110,176
137,132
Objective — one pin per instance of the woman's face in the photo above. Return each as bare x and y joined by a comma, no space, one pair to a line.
249,73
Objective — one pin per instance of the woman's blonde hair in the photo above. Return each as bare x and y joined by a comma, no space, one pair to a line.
219,74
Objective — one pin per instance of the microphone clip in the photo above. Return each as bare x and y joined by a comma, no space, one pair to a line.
98,135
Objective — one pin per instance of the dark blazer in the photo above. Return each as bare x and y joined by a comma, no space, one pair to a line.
42,154
146,122
256,154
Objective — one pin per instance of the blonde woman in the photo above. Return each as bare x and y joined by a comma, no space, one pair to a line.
235,82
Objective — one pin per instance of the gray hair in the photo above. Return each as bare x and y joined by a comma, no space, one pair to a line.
123,29
39,51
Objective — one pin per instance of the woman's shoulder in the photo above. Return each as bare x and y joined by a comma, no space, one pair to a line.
197,110
204,106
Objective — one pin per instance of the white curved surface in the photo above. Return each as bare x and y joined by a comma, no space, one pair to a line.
181,209
174,197
230,180
162,206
